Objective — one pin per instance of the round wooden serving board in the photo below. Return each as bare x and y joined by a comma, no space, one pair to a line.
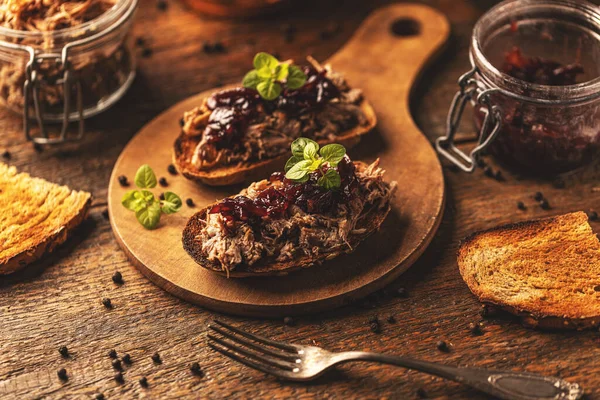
385,65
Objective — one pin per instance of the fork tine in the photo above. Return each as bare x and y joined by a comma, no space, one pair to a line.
249,363
254,345
260,339
278,363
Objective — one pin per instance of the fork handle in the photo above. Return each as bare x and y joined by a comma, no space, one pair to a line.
506,385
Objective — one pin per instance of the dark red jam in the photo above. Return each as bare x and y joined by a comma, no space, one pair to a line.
234,109
273,202
542,140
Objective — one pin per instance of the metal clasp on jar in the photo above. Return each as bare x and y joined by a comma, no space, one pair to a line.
470,88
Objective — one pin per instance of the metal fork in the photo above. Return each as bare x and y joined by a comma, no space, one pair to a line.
304,363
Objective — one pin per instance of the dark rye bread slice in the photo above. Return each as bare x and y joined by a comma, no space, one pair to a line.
370,220
185,145
35,217
545,271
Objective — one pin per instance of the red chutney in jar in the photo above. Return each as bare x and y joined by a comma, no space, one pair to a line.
538,138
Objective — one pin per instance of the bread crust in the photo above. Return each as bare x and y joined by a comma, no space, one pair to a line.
533,313
370,220
185,145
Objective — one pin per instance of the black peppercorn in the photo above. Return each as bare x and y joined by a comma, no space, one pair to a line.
189,202
592,215
442,346
38,147
162,182
391,319
127,359
117,278
105,213
140,41
99,396
161,5
207,47
147,52
487,311
421,393
289,321
544,204
112,353
538,196
488,171
6,155
62,374
63,351
521,205
116,364
196,370
499,177
156,358
119,377
143,382
172,170
374,325
107,303
218,47
401,292
123,180
481,163
161,196
475,329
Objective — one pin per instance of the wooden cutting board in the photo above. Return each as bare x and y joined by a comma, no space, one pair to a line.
384,58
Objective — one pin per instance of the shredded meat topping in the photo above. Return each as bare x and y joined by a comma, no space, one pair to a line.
299,234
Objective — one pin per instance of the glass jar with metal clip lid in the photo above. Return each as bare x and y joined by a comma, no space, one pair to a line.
534,86
64,61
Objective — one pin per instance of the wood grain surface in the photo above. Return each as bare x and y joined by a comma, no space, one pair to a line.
58,302
416,210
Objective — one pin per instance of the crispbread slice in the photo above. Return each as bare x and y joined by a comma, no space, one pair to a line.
35,217
545,271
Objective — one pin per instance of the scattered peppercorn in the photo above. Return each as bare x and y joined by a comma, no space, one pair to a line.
189,202
117,278
161,5
475,329
481,163
181,122
162,182
147,52
544,204
127,359
62,374
196,370
421,393
521,205
143,382
442,346
107,303
123,180
374,325
105,213
592,215
116,364
401,292
112,353
99,396
538,196
289,321
156,358
119,377
161,196
218,47
172,170
391,319
499,177
6,155
63,351
38,147
487,311
207,47
488,171
140,41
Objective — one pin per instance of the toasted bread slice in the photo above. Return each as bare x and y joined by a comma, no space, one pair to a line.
36,216
185,145
369,222
545,271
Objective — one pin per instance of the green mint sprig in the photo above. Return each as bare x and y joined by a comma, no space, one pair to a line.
269,75
146,206
307,158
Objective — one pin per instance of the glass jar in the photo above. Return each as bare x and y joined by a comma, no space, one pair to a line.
545,128
68,74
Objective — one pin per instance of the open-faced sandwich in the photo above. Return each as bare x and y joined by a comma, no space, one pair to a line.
322,206
243,133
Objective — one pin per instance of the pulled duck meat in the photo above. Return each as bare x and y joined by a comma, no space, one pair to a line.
237,126
279,220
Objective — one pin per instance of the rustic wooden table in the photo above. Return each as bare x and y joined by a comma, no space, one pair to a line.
58,301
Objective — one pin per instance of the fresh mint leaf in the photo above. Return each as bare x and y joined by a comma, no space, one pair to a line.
149,216
310,150
265,60
296,78
315,164
333,153
269,89
171,204
281,72
264,73
133,200
299,144
251,80
330,180
299,170
145,178
291,162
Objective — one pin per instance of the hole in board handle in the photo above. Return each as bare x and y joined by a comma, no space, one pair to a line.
405,27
